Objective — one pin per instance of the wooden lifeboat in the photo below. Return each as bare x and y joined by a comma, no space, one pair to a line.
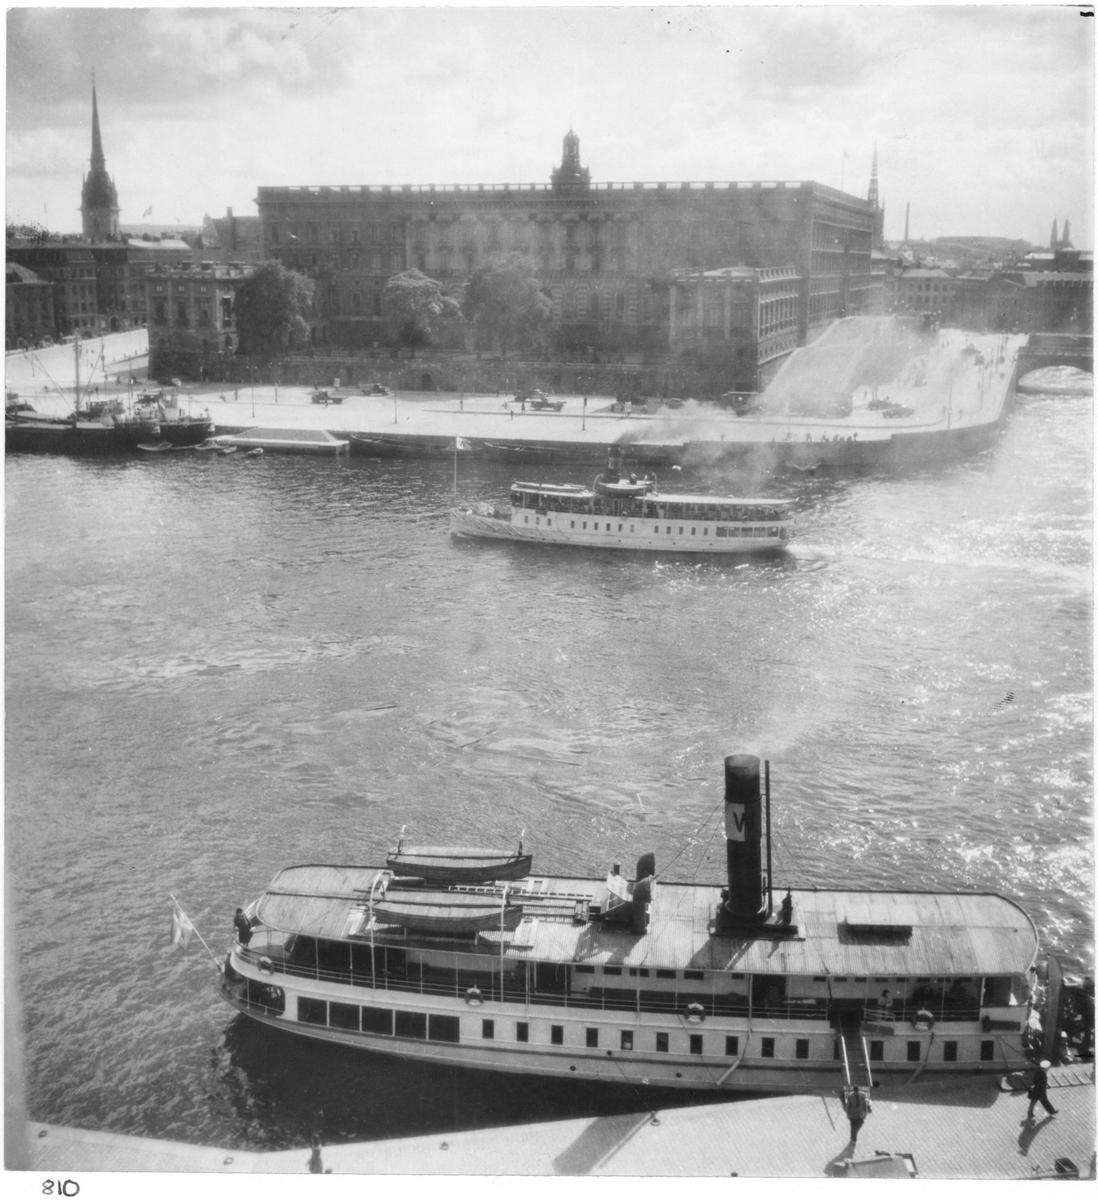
458,864
437,912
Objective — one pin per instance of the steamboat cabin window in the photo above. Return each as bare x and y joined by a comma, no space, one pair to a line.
488,1030
914,1051
343,1016
556,1035
592,1039
801,1049
522,1031
695,1043
693,974
876,1051
987,1051
732,1046
768,1047
641,971
661,1043
949,1052
627,1039
662,974
442,1028
411,1025
312,1012
377,1020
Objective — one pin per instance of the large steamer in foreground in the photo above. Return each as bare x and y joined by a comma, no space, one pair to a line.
620,512
462,957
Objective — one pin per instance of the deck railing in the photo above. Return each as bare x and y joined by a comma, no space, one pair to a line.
514,989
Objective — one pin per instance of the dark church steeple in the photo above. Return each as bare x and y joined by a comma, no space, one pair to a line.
99,198
570,176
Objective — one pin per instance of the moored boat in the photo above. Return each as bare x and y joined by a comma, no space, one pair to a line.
285,441
403,445
683,984
624,512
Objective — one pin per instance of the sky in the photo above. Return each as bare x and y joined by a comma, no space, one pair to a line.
981,116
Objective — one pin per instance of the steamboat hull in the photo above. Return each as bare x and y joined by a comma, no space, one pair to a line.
80,437
618,535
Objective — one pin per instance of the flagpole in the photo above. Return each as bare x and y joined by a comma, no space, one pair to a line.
455,470
196,933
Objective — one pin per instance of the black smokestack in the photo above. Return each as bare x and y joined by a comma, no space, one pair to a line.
743,822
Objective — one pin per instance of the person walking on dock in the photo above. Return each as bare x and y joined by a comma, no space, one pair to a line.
858,1107
1038,1091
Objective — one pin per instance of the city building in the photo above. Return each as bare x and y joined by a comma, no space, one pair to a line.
231,239
28,308
742,318
192,329
927,290
70,269
608,255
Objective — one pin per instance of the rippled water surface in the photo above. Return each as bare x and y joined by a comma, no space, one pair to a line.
218,668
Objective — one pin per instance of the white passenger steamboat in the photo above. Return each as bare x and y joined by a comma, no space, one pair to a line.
464,957
622,512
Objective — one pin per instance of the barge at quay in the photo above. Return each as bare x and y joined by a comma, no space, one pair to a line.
620,512
702,986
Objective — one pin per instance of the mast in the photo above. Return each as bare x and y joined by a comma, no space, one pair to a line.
76,352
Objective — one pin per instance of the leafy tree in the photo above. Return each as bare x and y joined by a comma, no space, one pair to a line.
414,305
30,231
269,306
505,303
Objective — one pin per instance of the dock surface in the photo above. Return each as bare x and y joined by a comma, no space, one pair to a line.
953,1130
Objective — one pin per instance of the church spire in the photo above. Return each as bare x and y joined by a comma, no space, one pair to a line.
1054,237
98,161
873,194
99,199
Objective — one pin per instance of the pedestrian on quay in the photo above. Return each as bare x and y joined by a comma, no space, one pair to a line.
858,1106
1038,1090
316,1166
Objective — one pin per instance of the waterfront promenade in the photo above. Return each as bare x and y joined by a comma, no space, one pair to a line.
959,388
962,1130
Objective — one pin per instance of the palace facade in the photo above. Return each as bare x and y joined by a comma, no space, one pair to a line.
608,255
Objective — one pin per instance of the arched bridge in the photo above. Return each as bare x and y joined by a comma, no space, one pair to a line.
1057,350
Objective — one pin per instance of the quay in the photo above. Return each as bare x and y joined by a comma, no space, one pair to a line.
969,1129
849,398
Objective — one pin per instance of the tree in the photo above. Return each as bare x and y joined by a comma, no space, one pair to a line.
505,303
269,308
414,305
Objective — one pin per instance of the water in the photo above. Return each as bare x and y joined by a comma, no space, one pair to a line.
218,668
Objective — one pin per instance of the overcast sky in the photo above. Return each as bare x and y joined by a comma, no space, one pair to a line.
982,116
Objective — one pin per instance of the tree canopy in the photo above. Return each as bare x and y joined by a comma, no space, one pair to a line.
505,303
269,307
414,306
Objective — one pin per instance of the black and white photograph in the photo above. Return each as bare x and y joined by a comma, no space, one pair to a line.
548,596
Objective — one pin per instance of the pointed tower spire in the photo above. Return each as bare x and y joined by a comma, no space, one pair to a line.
97,158
1054,237
99,199
1065,237
873,194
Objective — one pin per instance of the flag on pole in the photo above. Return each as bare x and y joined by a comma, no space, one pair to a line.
147,212
462,444
182,927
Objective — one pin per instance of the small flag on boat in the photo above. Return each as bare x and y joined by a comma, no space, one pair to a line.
462,444
182,927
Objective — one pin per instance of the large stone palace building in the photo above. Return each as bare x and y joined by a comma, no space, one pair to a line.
609,255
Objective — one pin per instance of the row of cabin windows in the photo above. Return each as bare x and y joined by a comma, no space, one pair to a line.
721,531
645,509
436,1027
